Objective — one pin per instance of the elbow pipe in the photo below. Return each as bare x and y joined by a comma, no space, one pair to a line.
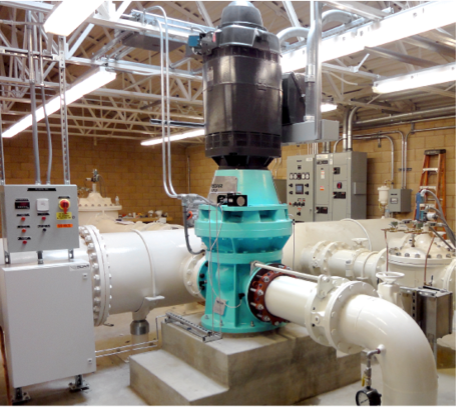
292,32
350,129
350,319
407,363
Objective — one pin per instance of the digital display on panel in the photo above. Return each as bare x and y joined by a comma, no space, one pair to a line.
299,189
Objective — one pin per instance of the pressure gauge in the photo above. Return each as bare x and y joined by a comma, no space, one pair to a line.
368,397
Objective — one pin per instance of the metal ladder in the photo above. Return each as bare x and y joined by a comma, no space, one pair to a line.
439,187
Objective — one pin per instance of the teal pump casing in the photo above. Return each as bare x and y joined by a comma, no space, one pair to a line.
235,237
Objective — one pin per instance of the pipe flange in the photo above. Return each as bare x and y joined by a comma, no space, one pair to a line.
324,305
328,251
337,300
101,276
193,273
257,293
316,261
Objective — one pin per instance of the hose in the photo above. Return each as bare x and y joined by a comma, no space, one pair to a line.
48,131
186,234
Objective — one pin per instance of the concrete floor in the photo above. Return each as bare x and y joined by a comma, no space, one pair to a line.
110,384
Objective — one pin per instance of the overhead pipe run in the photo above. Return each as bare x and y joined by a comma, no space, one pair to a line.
409,115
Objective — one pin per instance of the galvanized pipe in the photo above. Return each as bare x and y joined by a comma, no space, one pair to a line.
407,115
349,130
33,106
297,274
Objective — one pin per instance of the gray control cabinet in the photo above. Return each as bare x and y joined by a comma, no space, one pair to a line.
337,186
39,217
399,200
300,186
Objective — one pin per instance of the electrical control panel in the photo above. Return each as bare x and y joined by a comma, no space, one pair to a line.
300,186
39,217
335,187
399,200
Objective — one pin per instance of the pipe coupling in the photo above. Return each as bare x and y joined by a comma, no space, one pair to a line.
324,307
257,291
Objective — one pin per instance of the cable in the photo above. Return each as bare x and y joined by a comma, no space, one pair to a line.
186,234
363,228
48,131
426,259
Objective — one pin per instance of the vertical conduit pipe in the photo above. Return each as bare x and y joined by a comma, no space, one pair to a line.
33,102
350,129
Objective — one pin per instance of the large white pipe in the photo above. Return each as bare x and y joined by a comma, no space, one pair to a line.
138,265
308,234
407,362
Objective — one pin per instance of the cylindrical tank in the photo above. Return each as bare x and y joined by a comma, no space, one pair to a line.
242,90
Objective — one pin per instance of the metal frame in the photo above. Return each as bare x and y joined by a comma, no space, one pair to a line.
139,83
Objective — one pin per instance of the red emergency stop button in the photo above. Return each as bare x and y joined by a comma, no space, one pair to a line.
64,204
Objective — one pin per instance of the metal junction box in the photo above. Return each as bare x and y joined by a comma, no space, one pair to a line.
39,217
399,200
327,187
46,314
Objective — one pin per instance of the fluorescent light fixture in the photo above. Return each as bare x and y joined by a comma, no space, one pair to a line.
68,15
406,23
176,137
327,107
87,84
417,79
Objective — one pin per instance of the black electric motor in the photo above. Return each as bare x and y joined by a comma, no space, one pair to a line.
242,90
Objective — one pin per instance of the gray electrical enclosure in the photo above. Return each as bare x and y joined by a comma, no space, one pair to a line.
39,217
399,200
327,187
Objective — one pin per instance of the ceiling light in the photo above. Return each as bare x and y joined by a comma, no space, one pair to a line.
176,137
326,107
68,15
417,79
406,23
87,84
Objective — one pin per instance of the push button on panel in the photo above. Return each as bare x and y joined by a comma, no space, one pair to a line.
64,204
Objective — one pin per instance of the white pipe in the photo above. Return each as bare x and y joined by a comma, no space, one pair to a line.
407,362
132,272
308,234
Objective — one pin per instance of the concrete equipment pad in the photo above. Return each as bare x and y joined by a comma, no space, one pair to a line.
279,367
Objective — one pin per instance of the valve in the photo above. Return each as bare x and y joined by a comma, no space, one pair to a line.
369,396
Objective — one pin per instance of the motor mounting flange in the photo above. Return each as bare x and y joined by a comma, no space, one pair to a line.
257,293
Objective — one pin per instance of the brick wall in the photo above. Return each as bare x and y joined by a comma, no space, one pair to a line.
131,171
134,172
379,162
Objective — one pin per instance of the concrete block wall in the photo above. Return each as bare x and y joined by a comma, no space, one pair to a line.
130,171
379,162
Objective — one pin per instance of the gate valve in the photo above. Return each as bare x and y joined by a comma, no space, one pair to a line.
64,204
